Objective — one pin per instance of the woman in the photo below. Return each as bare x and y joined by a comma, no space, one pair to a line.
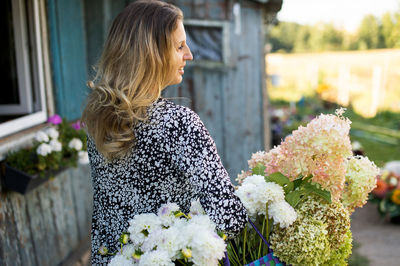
144,150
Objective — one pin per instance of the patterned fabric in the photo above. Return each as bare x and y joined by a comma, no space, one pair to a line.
267,260
174,160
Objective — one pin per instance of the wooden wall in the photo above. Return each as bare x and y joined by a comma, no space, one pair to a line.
47,225
229,99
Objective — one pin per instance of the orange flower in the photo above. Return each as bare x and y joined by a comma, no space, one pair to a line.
380,189
396,196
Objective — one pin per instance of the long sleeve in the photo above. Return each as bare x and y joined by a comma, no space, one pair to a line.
194,153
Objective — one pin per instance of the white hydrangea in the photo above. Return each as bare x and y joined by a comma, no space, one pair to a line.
196,208
55,145
120,260
282,213
83,157
142,225
167,213
52,133
255,193
75,144
44,149
41,136
156,257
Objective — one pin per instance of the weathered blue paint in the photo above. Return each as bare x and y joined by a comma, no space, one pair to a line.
68,56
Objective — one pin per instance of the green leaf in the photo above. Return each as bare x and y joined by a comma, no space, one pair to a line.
294,197
281,180
259,169
312,188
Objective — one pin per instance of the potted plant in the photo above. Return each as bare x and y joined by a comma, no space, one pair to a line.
387,196
60,146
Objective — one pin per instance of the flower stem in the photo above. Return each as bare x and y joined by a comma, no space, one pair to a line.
267,222
244,244
261,242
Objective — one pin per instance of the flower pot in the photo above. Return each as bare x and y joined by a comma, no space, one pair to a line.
21,182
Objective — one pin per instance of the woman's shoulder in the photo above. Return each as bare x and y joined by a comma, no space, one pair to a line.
169,112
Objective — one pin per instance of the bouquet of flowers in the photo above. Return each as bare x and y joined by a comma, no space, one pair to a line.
170,237
387,195
301,194
61,145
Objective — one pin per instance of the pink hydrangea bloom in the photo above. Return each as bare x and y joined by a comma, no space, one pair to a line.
319,149
55,119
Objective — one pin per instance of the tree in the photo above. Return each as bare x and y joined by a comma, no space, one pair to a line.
369,33
283,36
391,30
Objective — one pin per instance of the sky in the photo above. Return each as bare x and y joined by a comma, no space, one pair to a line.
343,13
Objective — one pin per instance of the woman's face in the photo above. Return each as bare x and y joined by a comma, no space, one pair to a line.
181,53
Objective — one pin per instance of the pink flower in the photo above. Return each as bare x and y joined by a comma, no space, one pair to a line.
55,119
77,125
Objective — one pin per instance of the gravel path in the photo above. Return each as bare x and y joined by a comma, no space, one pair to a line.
379,239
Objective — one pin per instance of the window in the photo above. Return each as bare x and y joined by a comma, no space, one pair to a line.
22,101
208,41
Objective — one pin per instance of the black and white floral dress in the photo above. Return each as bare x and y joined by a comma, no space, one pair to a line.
175,160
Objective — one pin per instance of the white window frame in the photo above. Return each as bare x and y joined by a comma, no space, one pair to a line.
23,67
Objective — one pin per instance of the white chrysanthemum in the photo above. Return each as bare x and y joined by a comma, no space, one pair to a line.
128,250
75,144
55,145
52,133
255,193
41,137
83,157
167,213
120,260
196,208
156,257
207,248
141,226
282,213
44,149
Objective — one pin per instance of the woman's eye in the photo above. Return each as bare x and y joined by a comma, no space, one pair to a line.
180,47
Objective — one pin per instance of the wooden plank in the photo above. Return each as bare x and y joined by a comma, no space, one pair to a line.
53,248
60,209
243,96
68,210
82,198
208,100
9,245
38,226
24,236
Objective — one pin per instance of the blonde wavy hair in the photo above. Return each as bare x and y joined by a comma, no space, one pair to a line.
131,73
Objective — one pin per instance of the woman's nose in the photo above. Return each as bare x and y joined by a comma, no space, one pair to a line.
188,55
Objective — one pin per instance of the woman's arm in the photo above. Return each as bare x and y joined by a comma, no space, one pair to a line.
195,154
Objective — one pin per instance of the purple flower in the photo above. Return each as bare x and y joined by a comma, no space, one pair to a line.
77,125
55,119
